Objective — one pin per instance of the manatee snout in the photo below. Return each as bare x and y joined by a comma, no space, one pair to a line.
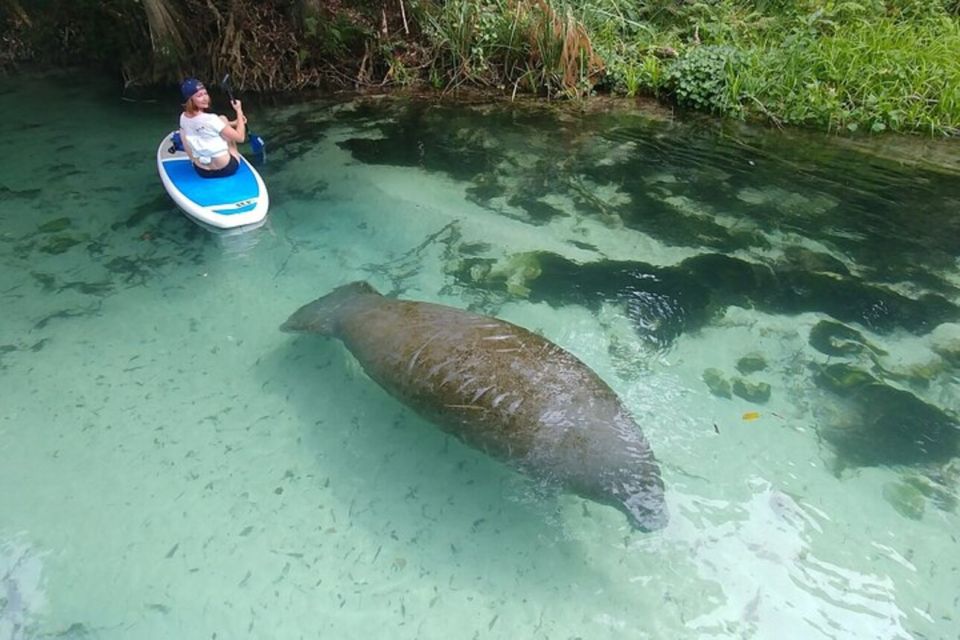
636,490
646,509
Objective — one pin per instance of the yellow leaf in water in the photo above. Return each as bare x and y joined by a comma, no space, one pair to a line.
751,415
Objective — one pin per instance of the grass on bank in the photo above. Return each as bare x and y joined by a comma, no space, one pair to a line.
877,65
842,65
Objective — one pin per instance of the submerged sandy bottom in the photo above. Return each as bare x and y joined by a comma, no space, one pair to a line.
174,466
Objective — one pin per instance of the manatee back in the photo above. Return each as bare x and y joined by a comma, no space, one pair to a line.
513,395
492,383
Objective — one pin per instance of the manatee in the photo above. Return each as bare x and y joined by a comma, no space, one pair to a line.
500,389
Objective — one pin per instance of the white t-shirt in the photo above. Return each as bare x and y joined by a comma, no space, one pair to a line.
203,135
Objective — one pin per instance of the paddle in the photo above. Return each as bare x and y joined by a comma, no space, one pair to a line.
257,145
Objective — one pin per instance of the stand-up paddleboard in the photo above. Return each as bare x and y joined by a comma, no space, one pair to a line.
235,201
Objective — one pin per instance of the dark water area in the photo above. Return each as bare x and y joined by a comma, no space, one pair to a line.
778,311
882,218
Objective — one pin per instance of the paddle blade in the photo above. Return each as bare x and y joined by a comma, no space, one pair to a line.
225,85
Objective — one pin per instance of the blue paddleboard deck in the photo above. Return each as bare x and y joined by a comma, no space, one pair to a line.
233,201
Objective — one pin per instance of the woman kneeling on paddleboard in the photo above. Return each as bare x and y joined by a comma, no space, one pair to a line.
210,140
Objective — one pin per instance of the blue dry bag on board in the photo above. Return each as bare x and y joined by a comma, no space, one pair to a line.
259,147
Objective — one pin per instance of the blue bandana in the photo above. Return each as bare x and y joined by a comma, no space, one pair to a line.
189,87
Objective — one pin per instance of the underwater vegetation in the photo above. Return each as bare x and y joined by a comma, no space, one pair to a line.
664,302
882,424
150,241
888,426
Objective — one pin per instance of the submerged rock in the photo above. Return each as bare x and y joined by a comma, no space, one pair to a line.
835,339
891,427
730,281
756,392
850,300
59,244
471,271
945,341
918,374
53,226
751,363
804,259
842,379
905,498
939,495
660,303
717,382
518,271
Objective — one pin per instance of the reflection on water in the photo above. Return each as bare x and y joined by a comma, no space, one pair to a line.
21,592
764,568
779,314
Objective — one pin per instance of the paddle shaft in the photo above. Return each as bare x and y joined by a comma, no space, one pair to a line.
256,142
225,85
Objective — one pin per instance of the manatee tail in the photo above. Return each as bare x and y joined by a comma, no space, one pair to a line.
321,315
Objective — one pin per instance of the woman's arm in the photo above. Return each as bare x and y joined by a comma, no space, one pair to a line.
237,130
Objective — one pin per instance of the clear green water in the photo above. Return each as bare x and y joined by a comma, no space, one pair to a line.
172,466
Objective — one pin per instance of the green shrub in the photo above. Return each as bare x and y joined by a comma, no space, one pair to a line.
704,78
882,74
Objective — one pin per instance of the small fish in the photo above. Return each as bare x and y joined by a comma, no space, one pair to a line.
750,416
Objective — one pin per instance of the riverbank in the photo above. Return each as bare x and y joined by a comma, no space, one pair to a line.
875,66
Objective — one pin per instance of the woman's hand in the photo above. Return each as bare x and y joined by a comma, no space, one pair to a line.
238,131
